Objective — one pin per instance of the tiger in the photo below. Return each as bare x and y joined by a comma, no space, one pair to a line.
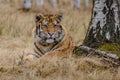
50,38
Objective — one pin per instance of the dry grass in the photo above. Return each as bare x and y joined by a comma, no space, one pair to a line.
15,36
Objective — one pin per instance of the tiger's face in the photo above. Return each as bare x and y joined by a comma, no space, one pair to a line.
49,29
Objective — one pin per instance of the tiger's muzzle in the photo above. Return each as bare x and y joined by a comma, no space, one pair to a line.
49,38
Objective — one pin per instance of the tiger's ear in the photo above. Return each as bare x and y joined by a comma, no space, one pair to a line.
38,17
60,17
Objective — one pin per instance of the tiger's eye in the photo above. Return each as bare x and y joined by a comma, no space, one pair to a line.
44,23
55,23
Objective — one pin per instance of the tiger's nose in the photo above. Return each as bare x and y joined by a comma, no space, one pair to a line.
50,34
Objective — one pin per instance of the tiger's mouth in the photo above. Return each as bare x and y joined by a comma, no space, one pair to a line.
50,41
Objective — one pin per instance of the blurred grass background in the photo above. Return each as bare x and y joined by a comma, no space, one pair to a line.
16,36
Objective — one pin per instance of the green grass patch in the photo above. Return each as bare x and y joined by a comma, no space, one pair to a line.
110,47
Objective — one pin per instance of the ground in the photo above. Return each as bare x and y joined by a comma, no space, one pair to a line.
16,36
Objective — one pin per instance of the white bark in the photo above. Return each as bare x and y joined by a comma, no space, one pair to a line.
39,2
116,18
105,23
76,4
27,4
86,2
108,35
53,3
100,16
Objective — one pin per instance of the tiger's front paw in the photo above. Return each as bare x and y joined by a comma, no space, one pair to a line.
25,57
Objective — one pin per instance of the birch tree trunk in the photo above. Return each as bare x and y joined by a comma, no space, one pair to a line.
39,2
53,3
86,2
105,23
27,4
77,4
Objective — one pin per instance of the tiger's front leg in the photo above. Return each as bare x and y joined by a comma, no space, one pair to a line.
65,50
26,57
58,54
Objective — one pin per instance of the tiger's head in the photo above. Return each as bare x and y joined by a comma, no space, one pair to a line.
49,29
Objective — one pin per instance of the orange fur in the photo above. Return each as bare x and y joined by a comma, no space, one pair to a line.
62,48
